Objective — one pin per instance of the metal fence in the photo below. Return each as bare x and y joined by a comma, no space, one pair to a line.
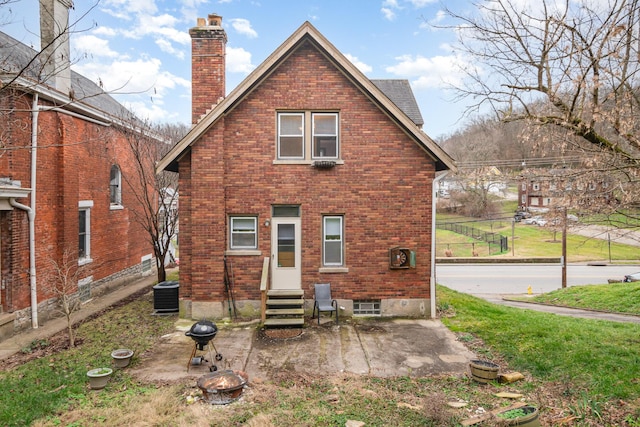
499,240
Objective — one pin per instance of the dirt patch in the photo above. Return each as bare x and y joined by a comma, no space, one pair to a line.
281,334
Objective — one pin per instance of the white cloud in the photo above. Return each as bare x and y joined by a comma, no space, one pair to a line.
421,3
388,14
104,31
143,77
243,26
94,46
435,72
128,7
239,60
167,47
365,68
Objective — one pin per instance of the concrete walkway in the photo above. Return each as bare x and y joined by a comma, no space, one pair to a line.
561,311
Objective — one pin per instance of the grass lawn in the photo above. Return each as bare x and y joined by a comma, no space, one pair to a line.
578,370
615,297
531,241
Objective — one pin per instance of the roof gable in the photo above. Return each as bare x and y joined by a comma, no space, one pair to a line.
307,33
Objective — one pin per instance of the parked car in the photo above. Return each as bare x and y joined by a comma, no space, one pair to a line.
635,277
535,220
520,215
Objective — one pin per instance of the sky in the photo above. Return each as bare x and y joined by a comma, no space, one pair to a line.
140,50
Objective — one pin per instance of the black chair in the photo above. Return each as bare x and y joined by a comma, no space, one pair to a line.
323,301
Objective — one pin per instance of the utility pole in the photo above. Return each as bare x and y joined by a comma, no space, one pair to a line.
564,247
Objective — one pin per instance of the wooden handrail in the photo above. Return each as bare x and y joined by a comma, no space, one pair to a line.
264,284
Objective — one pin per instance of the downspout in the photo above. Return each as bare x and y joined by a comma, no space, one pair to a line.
432,282
31,214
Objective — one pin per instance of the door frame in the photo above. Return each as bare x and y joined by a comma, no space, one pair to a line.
286,278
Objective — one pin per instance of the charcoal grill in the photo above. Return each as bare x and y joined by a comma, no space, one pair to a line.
202,333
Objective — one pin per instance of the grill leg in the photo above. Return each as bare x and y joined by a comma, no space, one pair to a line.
193,353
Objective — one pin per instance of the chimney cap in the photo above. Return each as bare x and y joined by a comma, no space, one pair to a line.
214,20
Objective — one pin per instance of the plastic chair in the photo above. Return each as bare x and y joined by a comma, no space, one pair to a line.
323,301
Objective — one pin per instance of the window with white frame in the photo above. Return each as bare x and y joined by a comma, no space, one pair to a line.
244,232
305,136
332,240
325,135
291,136
115,185
84,231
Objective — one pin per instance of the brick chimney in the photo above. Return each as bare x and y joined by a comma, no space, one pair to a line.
54,43
208,43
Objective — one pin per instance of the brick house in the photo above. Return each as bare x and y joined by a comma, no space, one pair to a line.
63,198
307,172
544,189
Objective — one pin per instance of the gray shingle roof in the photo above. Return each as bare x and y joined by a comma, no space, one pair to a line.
16,56
400,93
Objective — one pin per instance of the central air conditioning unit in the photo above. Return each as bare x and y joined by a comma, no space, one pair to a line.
165,297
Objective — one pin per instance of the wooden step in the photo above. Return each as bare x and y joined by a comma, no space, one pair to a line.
285,312
285,293
289,321
299,302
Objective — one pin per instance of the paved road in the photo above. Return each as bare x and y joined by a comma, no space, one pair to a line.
498,279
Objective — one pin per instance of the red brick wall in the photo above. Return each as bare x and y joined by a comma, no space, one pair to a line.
383,189
208,46
74,159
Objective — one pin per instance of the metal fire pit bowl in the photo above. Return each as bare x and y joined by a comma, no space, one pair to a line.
222,387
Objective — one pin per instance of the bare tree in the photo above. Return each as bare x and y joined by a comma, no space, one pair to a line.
156,195
567,68
63,284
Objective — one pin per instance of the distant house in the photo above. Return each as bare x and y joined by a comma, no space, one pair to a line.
543,189
63,156
307,172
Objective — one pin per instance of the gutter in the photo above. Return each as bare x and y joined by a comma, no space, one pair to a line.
31,214
432,282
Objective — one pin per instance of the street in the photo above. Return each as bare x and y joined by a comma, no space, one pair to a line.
501,279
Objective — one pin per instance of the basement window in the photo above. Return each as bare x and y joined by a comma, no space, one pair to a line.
366,308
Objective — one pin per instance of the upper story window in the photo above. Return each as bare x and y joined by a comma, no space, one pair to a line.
306,136
325,135
115,186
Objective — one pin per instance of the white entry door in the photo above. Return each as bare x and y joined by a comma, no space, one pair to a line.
286,271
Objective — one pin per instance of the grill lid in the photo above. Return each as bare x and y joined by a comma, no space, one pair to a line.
203,328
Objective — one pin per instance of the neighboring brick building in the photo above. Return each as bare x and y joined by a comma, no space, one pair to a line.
545,189
63,156
309,164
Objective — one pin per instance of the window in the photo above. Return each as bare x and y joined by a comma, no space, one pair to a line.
244,233
536,186
291,136
332,241
307,136
115,186
325,135
364,308
84,232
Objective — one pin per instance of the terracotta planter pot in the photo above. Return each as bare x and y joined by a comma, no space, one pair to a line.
99,377
483,371
121,357
530,419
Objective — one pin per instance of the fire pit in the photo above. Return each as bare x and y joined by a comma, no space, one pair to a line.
202,333
221,388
